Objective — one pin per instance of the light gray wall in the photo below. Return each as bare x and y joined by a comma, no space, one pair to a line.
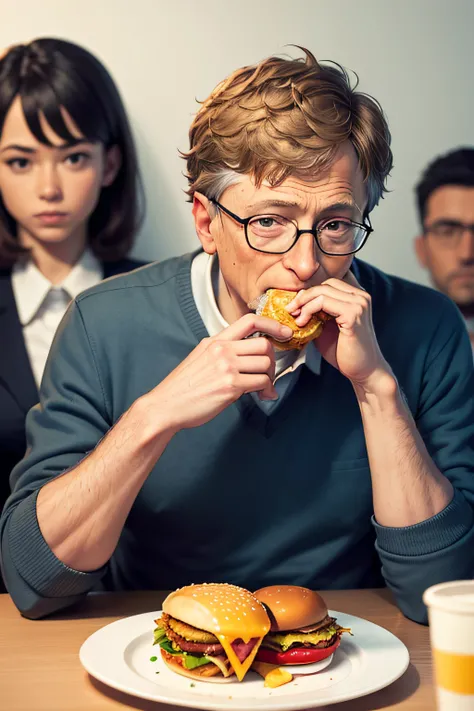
415,56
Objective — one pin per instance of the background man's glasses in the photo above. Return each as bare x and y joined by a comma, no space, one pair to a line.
275,234
448,232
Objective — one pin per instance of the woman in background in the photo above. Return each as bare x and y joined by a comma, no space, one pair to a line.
70,204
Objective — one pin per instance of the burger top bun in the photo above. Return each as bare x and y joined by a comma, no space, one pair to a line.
291,607
219,608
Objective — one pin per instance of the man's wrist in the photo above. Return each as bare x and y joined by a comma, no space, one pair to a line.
381,386
154,424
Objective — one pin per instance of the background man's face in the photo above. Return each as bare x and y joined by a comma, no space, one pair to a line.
446,249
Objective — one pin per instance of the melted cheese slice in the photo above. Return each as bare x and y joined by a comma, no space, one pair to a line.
240,668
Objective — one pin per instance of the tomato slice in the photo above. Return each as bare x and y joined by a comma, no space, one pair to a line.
296,655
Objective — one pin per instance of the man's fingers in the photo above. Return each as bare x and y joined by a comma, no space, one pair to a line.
259,384
344,286
348,285
251,323
257,364
308,297
259,345
333,306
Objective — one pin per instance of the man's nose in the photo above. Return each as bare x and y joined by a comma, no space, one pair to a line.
49,185
466,246
303,258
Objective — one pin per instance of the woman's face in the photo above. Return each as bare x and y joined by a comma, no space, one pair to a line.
51,191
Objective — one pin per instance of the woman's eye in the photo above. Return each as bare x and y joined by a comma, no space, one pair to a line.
18,164
77,159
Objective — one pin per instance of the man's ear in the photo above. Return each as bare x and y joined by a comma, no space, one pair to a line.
420,250
113,162
203,213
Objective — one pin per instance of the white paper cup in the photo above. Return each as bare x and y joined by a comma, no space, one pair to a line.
451,617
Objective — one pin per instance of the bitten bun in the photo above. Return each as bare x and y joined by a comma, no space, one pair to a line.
291,607
274,308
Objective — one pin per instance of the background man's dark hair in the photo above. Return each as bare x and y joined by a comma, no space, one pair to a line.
453,168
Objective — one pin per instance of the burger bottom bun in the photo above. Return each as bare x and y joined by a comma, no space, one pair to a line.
218,679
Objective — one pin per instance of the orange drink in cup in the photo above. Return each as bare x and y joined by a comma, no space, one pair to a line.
451,617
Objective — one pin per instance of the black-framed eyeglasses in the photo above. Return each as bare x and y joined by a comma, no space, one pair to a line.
275,234
448,232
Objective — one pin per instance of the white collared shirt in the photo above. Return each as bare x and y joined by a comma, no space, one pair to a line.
204,283
41,305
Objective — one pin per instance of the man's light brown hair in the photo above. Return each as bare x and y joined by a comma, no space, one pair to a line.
286,117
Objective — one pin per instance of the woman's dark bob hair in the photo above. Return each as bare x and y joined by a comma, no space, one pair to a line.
48,74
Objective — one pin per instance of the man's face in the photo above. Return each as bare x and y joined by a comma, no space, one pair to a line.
246,273
446,249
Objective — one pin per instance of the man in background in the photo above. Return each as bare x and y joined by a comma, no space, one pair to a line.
445,196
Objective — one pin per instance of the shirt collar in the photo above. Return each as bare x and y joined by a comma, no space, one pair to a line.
86,272
215,322
30,287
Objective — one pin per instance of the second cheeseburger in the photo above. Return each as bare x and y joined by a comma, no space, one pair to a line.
301,631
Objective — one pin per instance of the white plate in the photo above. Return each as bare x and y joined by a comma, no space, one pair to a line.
119,656
314,668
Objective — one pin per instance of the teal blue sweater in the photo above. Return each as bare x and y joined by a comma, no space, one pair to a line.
247,498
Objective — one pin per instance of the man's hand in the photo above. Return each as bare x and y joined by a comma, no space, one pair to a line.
349,342
218,371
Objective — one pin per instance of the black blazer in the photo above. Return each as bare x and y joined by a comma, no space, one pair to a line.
18,391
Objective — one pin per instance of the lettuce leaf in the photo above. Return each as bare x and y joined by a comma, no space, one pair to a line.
189,660
158,635
192,662
166,645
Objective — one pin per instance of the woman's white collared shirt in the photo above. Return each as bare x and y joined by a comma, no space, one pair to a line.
41,305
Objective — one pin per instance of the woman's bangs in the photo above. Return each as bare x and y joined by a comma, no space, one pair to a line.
46,101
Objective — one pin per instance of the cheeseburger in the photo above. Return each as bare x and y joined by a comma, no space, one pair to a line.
211,632
272,304
301,631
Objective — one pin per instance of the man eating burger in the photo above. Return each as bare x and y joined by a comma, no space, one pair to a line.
171,446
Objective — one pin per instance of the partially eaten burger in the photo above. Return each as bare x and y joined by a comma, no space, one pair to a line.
211,632
272,305
301,632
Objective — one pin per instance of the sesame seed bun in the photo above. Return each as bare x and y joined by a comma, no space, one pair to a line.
219,608
291,607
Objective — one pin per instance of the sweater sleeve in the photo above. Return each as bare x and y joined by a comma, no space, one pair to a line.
441,548
68,423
